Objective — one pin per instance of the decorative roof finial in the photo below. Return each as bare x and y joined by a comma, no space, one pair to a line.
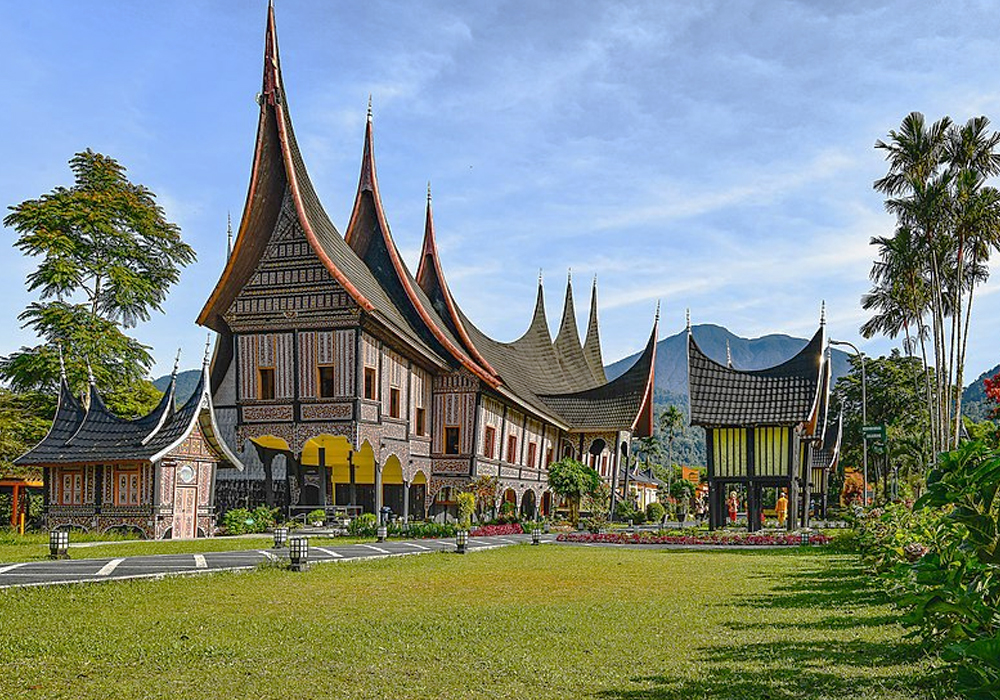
177,362
569,275
822,312
687,318
208,346
62,364
90,373
369,106
656,318
229,235
729,355
428,191
539,277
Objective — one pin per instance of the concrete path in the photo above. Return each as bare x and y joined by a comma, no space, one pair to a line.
48,573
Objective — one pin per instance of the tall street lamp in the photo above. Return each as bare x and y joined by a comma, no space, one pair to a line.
864,412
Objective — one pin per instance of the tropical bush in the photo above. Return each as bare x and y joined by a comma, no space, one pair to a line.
364,525
466,507
655,512
431,530
316,516
692,537
497,530
941,562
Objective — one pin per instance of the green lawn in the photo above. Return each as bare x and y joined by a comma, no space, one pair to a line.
519,622
35,547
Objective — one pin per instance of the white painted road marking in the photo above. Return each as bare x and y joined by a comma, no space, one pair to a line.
418,546
108,568
199,561
377,549
268,555
329,552
5,569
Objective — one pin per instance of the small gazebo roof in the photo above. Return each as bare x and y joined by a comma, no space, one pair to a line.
784,395
96,435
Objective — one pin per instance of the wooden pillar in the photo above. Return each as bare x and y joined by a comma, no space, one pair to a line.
352,495
406,501
15,505
378,490
323,476
267,458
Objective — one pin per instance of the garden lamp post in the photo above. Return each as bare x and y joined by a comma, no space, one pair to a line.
280,537
536,534
298,553
864,414
461,540
59,544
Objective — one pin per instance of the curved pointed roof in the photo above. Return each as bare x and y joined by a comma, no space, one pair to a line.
430,279
624,403
369,237
99,436
592,344
567,344
787,394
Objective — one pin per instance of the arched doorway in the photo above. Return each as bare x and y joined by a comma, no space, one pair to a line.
547,504
528,504
508,503
393,489
418,496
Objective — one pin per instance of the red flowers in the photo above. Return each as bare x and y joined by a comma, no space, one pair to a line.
702,538
495,530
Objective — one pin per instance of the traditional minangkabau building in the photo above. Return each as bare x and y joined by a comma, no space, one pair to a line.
154,475
761,426
344,380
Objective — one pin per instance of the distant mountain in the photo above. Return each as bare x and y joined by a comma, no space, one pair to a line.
756,353
975,403
187,382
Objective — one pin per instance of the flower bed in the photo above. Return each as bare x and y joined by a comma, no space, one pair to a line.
710,538
495,530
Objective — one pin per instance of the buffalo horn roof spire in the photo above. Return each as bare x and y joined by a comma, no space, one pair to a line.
592,344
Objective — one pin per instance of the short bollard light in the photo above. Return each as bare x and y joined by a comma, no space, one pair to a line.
804,538
298,553
536,535
381,533
461,540
280,537
59,544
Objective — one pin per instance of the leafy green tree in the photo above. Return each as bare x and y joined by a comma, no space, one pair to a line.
948,224
24,420
108,258
573,480
895,401
671,424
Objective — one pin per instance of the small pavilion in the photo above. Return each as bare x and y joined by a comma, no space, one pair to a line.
154,475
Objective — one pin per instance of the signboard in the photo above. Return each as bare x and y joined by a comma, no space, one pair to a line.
874,432
692,475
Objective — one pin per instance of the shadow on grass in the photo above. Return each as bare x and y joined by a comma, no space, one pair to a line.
822,669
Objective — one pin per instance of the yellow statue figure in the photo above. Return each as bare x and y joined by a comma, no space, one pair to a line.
781,509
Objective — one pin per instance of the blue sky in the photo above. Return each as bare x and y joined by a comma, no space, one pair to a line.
714,156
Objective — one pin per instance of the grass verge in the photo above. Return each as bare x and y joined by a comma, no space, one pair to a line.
538,622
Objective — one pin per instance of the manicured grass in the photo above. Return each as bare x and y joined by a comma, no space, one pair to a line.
521,622
35,547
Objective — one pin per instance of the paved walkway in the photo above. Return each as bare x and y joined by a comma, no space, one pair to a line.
47,573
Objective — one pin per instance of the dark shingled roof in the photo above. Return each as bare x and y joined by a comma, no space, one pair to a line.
782,395
592,344
616,404
97,435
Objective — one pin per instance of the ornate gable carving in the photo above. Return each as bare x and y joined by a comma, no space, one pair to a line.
290,287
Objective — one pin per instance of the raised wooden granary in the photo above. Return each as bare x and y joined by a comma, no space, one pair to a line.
764,428
343,379
154,475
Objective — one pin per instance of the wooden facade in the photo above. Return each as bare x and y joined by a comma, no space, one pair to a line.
154,475
343,379
761,427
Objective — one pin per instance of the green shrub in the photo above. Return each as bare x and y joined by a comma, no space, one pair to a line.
625,510
263,518
237,521
316,516
364,525
466,507
430,530
655,512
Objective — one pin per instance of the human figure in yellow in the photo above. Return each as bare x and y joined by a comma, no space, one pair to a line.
781,509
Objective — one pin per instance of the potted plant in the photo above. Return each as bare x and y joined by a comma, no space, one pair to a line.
316,517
